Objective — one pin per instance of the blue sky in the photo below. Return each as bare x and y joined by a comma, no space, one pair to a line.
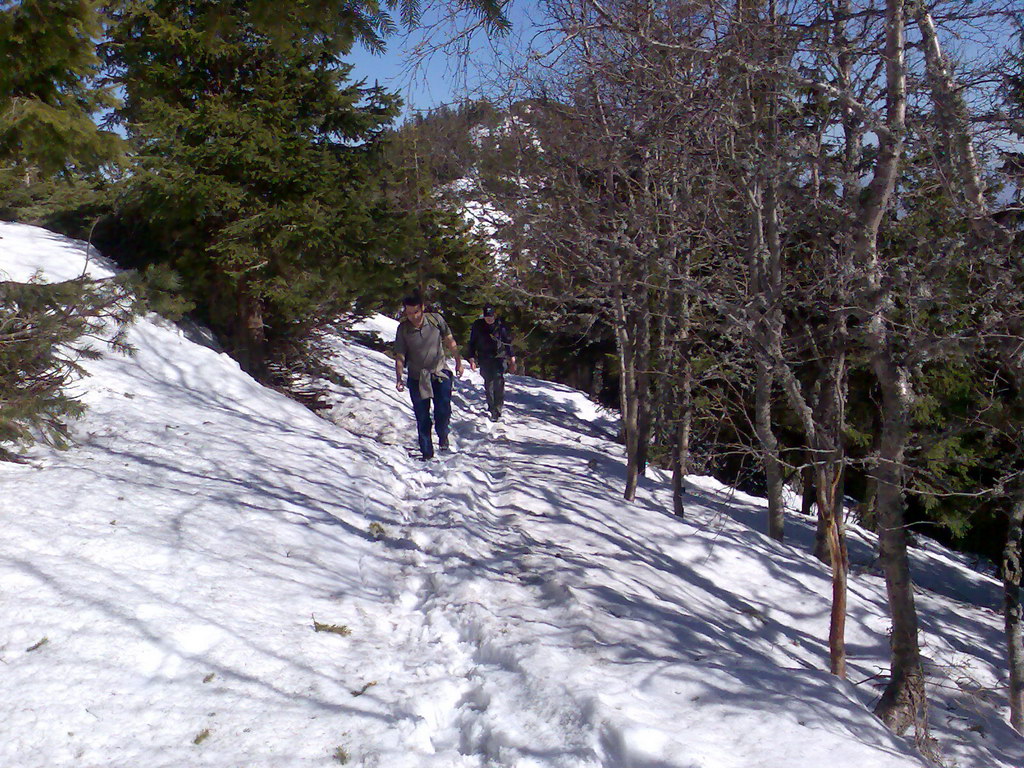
423,92
444,79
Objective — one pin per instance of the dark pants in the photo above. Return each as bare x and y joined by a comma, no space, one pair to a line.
493,372
442,411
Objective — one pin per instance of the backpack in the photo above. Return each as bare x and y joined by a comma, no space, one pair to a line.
488,336
434,319
497,336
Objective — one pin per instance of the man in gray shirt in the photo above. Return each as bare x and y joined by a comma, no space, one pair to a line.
420,345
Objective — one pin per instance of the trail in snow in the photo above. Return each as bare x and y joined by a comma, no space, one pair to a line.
574,619
501,608
485,710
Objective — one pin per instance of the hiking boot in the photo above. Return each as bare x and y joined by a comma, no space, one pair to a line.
444,447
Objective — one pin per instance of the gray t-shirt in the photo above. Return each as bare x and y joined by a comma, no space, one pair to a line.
421,347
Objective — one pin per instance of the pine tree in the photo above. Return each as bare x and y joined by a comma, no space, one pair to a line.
48,97
44,336
48,89
257,165
53,156
432,246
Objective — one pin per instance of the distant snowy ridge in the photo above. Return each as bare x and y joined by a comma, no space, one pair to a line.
214,576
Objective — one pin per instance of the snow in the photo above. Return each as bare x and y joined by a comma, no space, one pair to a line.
163,582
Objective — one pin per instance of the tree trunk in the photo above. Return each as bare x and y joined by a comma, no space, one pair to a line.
628,393
764,264
823,427
1014,611
807,490
249,337
821,531
811,505
642,371
954,126
772,281
829,478
769,449
682,351
903,703
952,118
867,509
681,448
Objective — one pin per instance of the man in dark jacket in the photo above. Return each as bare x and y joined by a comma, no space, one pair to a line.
490,347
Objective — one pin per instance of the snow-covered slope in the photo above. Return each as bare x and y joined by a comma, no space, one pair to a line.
162,585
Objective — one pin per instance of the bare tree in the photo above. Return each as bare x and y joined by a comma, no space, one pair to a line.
771,134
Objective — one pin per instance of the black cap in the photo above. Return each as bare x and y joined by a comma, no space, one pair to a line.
488,311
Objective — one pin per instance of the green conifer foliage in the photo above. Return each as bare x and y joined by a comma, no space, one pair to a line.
53,156
48,97
433,247
46,330
48,94
257,165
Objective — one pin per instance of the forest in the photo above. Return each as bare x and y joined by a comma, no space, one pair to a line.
782,237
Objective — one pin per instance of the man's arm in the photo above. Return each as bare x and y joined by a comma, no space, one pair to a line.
400,351
453,347
399,372
509,352
471,347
